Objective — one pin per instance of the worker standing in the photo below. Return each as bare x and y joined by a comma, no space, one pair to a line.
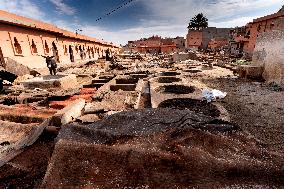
51,64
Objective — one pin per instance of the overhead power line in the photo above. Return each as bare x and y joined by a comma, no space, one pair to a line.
122,5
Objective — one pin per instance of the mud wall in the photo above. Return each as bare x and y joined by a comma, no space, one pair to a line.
269,52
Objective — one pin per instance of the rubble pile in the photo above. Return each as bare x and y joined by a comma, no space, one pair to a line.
136,121
173,148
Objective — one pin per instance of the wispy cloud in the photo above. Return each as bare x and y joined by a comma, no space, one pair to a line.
22,7
168,18
122,36
180,11
63,8
241,21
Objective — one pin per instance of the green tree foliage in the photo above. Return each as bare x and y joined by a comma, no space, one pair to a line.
198,22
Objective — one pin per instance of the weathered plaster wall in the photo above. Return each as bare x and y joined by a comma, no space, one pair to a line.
216,44
257,27
24,38
44,44
269,52
212,32
201,38
194,39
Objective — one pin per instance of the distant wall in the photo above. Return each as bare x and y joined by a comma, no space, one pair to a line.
212,32
269,53
201,38
194,39
180,43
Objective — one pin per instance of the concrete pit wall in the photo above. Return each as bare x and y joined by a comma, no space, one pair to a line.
269,53
52,82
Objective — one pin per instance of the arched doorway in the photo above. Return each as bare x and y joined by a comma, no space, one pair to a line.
89,52
17,46
55,52
93,53
81,52
2,61
71,53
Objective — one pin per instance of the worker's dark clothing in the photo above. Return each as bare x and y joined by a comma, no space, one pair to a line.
1,84
51,64
108,55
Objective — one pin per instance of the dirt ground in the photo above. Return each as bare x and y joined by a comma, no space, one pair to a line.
256,107
160,148
28,169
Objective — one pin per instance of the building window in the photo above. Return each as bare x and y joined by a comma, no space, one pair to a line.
46,48
17,46
248,33
93,54
259,28
271,25
65,50
88,51
34,49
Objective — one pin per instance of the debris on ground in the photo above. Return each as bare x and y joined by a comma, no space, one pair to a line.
213,95
142,121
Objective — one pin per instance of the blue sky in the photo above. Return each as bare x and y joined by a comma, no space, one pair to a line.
140,18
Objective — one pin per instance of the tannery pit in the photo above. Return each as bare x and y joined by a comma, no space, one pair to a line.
168,79
191,104
176,89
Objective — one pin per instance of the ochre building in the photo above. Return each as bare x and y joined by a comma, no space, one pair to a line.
246,43
152,45
25,41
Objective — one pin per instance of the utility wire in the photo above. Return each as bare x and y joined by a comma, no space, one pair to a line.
122,5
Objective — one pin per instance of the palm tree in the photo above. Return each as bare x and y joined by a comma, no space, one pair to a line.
198,22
